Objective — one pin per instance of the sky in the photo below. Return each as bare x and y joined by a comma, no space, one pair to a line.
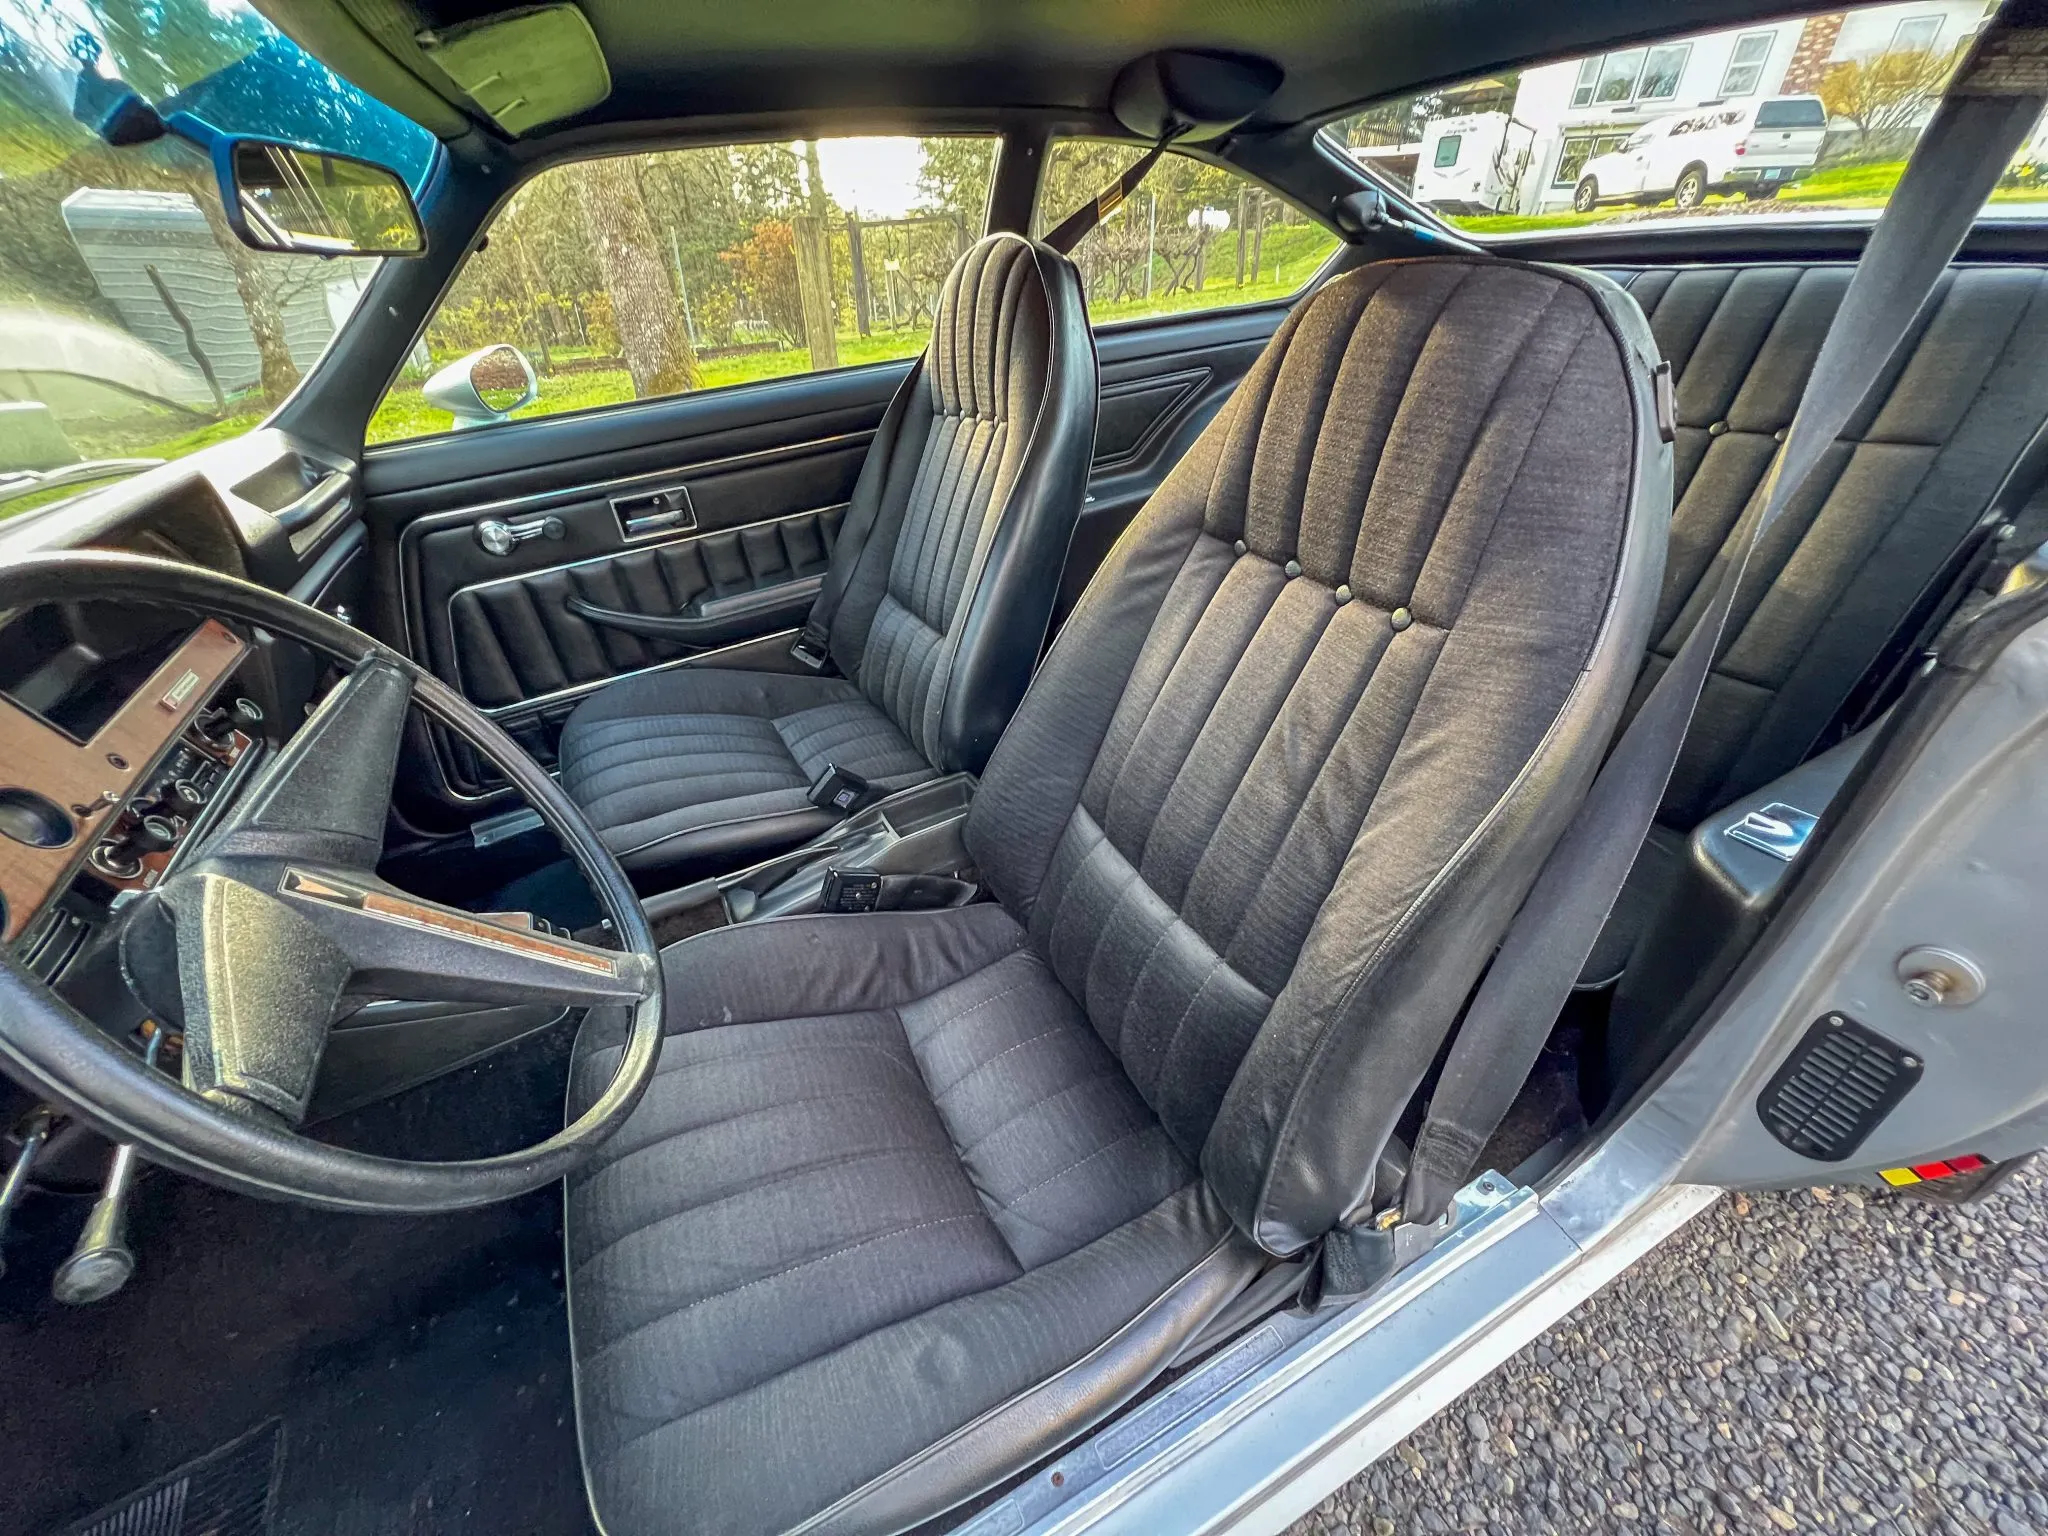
876,178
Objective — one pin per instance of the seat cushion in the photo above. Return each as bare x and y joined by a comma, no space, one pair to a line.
886,1180
697,767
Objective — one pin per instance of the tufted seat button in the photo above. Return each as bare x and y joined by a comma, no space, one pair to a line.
1342,594
1717,429
1238,547
1293,569
1400,618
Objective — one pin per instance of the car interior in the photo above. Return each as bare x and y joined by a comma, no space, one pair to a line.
965,868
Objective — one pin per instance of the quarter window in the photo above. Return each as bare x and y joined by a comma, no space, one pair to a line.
1746,64
1192,236
638,276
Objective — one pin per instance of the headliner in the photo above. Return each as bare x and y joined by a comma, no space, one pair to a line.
678,60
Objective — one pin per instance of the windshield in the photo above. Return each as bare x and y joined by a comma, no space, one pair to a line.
134,326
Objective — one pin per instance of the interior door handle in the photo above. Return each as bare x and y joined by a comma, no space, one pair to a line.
498,537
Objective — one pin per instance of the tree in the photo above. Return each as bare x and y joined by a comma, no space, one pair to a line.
1886,95
763,267
651,334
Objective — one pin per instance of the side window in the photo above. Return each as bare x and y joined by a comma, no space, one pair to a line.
638,276
1192,236
1805,116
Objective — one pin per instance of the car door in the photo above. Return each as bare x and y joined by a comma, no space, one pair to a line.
628,435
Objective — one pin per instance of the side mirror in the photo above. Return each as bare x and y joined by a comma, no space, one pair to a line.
279,197
483,388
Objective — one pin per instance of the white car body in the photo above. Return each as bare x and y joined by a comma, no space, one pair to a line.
1754,147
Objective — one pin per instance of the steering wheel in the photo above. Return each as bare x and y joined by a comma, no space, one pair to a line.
276,917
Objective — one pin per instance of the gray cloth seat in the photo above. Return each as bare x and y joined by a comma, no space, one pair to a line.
917,1197
1854,567
940,586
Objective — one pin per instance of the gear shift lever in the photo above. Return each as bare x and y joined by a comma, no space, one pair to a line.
101,1262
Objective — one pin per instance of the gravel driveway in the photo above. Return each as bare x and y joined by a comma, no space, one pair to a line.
1820,1361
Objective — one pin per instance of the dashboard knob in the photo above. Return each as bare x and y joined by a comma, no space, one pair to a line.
152,834
219,725
182,797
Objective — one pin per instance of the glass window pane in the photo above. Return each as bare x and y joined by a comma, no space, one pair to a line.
1618,76
1662,73
1582,88
643,275
1807,118
1192,236
134,326
1447,150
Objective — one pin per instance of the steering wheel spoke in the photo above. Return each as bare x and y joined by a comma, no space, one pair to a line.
400,946
324,797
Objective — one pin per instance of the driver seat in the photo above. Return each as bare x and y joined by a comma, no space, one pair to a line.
915,1198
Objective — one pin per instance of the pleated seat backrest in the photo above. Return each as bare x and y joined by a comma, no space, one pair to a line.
1293,761
944,613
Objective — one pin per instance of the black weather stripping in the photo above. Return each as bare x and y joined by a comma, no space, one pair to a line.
1838,1083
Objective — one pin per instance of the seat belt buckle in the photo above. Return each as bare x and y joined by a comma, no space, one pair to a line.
850,890
840,790
812,648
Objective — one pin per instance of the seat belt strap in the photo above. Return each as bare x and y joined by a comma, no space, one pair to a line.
1103,204
813,647
1991,105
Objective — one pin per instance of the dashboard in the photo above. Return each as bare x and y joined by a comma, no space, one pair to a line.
125,729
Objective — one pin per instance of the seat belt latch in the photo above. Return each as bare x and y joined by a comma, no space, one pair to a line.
840,790
812,647
850,890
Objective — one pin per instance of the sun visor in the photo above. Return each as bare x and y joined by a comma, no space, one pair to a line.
524,68
1191,94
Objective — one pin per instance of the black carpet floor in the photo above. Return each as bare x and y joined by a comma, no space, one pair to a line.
420,1365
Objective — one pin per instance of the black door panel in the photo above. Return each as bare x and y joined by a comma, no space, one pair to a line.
1162,383
624,539
514,638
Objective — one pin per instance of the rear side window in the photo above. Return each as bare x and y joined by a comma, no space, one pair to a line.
1806,113
1192,236
1538,144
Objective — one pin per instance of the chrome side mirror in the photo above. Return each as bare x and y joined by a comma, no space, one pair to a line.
485,387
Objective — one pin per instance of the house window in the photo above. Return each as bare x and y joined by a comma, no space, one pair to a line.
1589,76
1447,150
1916,34
1746,64
1618,74
1580,149
1662,73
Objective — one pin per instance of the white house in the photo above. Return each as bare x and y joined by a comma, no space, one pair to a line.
1566,113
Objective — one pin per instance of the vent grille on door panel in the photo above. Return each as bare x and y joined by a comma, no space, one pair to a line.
1837,1084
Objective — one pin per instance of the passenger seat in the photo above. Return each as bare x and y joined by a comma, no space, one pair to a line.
1859,559
968,497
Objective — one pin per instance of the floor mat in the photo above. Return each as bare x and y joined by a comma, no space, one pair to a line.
420,1366
227,1492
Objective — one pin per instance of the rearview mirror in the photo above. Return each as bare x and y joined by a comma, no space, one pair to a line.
280,197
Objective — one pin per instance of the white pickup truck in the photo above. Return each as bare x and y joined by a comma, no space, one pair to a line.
1753,148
